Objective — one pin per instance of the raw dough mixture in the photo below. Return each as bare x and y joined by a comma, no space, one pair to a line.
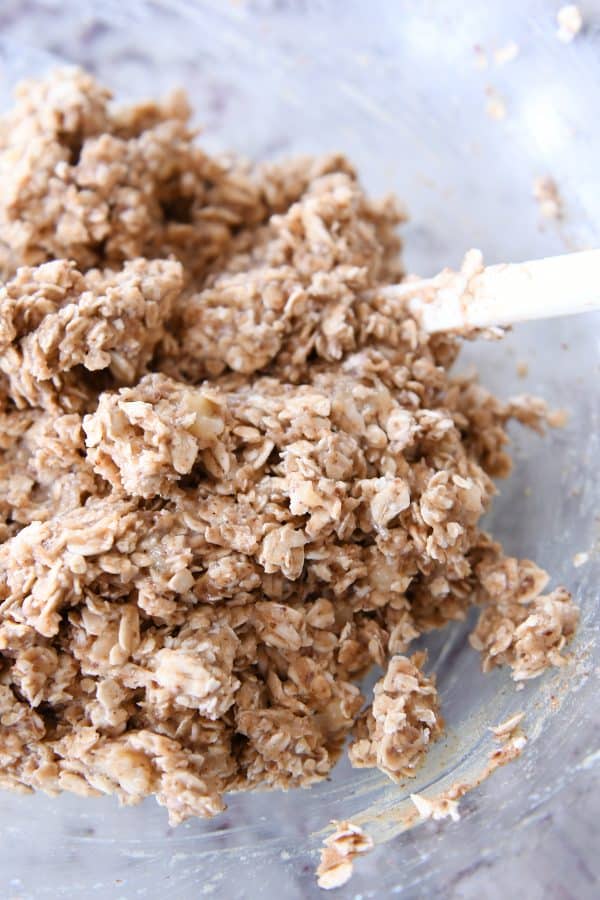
233,476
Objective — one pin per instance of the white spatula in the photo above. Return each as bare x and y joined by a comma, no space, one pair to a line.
478,297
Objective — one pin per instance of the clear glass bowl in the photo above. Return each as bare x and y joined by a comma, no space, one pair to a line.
401,88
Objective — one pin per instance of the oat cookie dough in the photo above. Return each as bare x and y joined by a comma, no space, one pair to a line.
233,475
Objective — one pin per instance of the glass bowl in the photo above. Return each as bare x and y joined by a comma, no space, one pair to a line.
412,93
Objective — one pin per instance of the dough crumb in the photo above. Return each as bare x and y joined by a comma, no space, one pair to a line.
545,191
558,418
505,729
580,559
570,23
522,369
436,808
506,54
511,749
339,852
